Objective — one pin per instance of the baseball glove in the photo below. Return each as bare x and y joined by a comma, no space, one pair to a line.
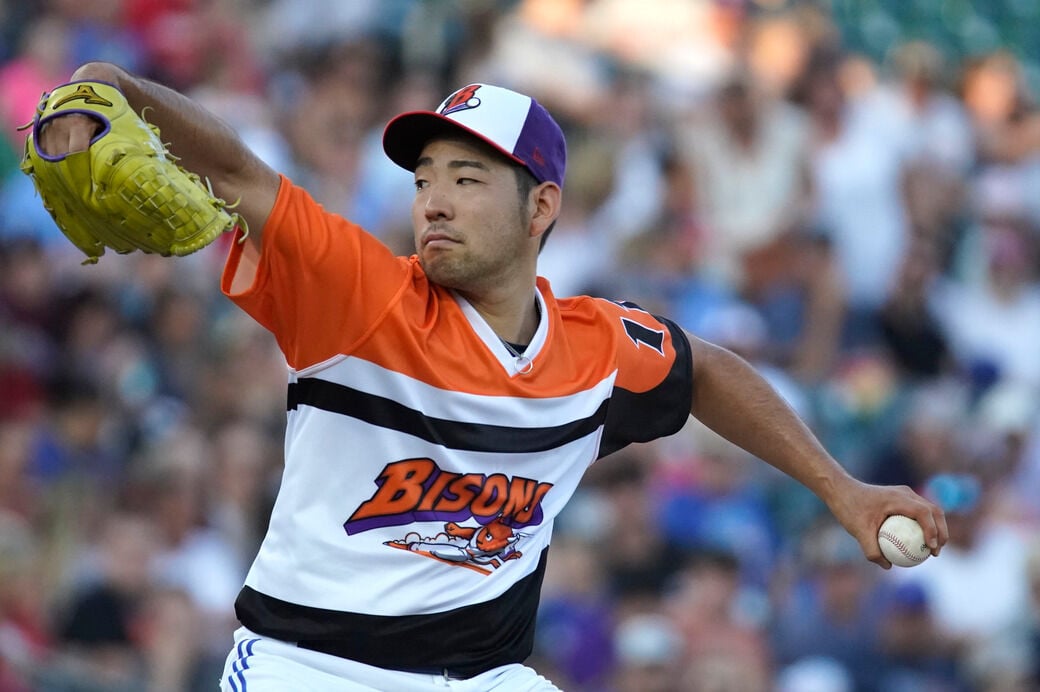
125,191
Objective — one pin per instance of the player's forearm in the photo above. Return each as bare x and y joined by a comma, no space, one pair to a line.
732,399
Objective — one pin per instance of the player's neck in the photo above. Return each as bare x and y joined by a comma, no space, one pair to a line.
514,318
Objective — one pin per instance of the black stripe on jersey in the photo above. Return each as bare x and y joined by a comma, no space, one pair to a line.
476,437
658,412
465,641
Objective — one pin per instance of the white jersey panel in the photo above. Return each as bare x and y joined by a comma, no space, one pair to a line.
433,528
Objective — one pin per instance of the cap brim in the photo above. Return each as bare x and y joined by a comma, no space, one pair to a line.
407,134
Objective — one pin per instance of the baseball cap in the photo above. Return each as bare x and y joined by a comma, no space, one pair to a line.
514,124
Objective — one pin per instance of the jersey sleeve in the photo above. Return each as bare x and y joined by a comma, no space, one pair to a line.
653,390
320,281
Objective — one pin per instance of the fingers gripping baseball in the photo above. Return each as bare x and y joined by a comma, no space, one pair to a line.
902,541
867,507
927,514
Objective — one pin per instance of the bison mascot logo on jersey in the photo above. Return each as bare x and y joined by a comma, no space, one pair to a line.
417,490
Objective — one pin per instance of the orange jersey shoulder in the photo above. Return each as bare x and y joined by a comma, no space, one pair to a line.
321,280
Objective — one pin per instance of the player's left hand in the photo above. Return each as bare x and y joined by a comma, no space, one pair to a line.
862,507
106,177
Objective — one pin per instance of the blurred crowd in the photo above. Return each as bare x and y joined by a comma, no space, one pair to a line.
862,225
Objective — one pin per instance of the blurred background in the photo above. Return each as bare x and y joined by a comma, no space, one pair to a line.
845,192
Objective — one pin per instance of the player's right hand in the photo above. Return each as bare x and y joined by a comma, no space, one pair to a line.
862,508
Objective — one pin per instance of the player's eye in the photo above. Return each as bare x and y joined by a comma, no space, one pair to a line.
420,184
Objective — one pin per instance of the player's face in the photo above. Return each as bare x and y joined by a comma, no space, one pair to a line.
470,229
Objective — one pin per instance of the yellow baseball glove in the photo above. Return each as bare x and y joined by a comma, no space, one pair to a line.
125,191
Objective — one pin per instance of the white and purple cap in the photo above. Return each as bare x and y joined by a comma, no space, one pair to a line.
512,123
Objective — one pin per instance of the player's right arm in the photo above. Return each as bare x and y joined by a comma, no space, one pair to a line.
204,143
732,399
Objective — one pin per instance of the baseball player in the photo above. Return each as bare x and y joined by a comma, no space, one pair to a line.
443,407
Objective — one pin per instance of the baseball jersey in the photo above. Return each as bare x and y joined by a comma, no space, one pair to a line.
424,465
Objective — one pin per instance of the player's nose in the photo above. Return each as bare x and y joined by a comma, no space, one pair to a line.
438,205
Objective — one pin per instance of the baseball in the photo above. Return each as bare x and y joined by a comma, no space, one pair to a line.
902,541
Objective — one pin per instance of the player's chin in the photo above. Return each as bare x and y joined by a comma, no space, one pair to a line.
442,269
433,256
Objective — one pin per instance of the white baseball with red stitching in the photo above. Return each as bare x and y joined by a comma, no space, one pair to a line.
902,541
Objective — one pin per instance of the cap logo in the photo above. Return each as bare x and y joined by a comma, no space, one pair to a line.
463,99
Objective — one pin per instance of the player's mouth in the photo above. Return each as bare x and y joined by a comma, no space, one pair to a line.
438,239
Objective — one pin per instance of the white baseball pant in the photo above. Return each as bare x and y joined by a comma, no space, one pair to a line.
261,664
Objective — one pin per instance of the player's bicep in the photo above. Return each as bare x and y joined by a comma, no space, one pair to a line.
708,362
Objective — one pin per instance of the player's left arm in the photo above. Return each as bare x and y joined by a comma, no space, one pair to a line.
732,399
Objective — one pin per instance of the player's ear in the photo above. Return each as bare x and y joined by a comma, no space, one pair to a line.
544,204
